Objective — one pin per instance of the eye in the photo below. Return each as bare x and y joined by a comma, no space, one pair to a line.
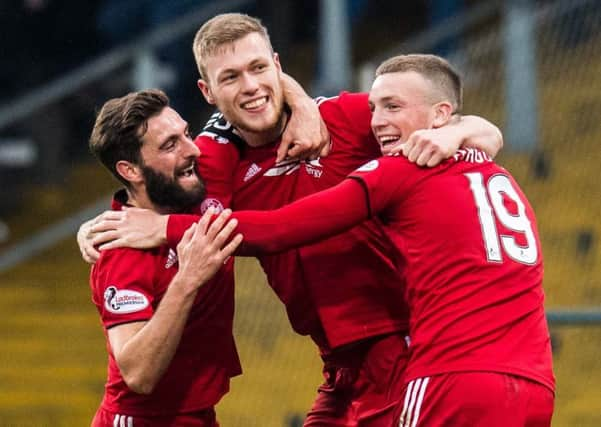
168,145
392,107
372,107
260,67
228,78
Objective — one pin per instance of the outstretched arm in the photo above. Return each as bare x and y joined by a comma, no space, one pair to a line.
305,221
313,218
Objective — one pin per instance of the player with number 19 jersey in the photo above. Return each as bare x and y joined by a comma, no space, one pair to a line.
475,268
474,262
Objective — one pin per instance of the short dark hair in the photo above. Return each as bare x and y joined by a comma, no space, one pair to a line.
433,68
120,126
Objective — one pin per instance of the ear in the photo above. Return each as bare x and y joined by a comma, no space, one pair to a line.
276,60
206,91
443,111
129,171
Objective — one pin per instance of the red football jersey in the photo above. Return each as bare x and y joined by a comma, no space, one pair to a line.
337,291
127,286
475,266
474,263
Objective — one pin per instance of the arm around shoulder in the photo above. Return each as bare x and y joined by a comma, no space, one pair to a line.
482,134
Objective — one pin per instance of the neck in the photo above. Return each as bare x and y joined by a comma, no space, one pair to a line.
259,139
138,198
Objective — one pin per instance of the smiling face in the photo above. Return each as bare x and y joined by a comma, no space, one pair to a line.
401,103
243,79
169,163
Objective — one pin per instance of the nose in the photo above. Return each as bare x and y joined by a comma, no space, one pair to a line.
190,149
250,83
378,119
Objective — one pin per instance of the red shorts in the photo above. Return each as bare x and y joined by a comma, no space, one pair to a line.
205,418
472,399
362,385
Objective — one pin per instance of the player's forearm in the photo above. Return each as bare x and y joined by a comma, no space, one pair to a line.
294,94
145,357
482,134
305,221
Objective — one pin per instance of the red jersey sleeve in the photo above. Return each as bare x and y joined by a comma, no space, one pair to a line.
350,113
305,221
385,180
123,287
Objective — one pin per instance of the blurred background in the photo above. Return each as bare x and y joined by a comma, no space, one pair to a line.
533,67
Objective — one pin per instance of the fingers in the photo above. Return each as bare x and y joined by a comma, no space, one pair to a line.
217,224
426,154
90,254
296,151
283,149
224,233
205,220
186,238
421,149
396,149
326,149
109,215
98,238
231,247
436,159
107,221
213,239
113,244
84,242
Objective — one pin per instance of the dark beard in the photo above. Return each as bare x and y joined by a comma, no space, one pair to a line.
166,193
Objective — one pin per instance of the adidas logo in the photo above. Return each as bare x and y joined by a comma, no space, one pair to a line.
252,171
171,258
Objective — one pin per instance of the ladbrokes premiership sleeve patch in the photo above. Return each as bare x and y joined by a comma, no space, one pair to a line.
124,301
123,282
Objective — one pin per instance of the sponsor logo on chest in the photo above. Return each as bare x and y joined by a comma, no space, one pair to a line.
312,167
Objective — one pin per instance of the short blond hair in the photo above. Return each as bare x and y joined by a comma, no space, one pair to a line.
222,30
435,69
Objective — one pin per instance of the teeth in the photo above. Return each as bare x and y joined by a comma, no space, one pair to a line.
256,103
388,138
188,171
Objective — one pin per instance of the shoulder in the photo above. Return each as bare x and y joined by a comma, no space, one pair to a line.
386,164
348,119
219,130
346,104
133,264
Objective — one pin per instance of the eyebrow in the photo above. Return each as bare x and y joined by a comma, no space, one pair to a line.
390,98
173,136
236,70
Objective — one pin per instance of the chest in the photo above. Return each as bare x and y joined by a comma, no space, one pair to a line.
260,183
